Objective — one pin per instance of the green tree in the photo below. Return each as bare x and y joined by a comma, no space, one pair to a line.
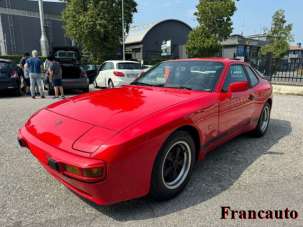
96,25
278,36
215,25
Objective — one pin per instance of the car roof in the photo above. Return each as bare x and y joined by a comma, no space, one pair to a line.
215,59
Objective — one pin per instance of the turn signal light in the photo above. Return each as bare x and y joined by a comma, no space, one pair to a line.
91,174
72,169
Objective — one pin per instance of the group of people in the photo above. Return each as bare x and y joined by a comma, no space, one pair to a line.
33,69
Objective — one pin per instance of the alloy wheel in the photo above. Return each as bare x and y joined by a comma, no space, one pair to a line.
176,165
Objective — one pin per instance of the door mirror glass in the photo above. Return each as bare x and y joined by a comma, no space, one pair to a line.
238,86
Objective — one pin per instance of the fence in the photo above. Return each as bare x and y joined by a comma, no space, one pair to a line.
282,71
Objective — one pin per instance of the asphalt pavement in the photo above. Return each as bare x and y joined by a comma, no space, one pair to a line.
245,174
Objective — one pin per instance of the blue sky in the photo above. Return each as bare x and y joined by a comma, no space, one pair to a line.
251,17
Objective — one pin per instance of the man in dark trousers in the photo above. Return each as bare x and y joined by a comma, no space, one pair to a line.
25,74
55,72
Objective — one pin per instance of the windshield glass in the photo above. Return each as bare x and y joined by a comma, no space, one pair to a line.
7,66
129,65
192,75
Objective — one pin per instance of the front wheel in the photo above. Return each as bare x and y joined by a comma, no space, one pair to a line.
173,166
263,122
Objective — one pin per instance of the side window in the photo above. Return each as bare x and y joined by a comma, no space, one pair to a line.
111,66
252,76
236,74
102,67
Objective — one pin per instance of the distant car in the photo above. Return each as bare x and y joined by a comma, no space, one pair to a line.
9,78
119,144
91,72
73,77
117,73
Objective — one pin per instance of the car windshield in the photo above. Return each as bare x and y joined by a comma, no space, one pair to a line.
5,67
191,75
129,65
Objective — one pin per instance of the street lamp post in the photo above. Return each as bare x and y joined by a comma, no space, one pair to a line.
123,31
43,39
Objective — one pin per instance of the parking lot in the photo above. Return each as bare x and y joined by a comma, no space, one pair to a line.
245,174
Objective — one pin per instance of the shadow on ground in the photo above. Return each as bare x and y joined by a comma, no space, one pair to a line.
217,173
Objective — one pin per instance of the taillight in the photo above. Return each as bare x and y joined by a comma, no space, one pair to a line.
89,174
119,74
14,74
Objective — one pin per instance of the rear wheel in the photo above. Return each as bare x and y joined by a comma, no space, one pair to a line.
111,84
263,122
173,166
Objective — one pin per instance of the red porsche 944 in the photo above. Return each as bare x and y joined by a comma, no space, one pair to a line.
144,139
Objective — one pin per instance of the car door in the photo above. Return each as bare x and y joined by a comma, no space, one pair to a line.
255,94
109,72
104,74
234,109
100,77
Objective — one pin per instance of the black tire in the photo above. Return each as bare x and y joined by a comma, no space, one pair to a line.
164,184
263,122
110,84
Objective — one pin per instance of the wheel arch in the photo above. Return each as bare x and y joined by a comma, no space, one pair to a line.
195,134
270,102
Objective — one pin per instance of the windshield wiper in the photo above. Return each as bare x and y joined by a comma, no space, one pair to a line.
144,84
179,87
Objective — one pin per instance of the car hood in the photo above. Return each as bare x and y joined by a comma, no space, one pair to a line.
115,109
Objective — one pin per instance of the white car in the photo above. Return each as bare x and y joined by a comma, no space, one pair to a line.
117,73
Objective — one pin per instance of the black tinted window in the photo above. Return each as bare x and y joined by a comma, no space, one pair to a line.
129,65
252,77
236,74
4,66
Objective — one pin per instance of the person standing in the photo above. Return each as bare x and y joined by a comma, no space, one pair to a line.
34,66
25,73
55,72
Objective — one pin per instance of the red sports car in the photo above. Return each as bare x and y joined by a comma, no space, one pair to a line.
123,143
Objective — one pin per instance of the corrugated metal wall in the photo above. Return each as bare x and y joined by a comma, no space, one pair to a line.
21,26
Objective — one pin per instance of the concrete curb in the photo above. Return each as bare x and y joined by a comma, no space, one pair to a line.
287,89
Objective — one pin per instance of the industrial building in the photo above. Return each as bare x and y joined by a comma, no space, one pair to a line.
239,46
20,26
157,41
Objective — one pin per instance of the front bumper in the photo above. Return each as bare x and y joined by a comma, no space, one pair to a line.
99,193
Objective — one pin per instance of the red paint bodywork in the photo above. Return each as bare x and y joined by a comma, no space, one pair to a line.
126,127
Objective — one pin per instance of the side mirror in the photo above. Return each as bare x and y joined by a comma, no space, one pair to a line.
238,87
